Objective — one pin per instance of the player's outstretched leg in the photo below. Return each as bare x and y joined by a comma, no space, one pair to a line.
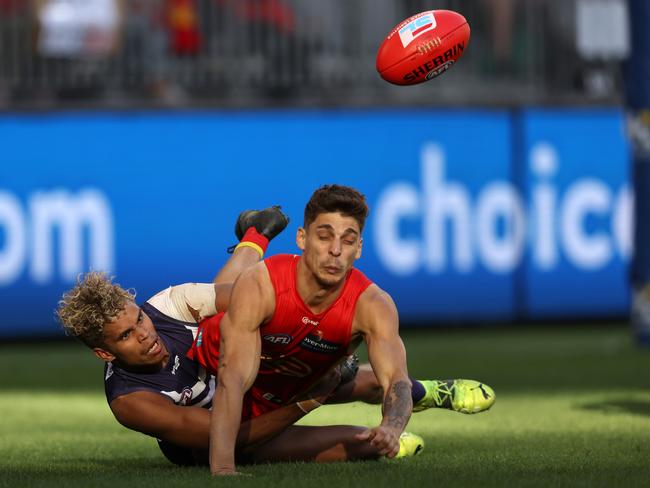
268,222
326,444
466,396
254,229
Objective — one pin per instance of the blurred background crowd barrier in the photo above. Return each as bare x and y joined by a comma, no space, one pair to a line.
116,53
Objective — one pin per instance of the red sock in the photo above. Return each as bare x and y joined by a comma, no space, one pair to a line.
254,239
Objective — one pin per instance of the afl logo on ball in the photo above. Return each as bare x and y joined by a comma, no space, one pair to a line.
440,69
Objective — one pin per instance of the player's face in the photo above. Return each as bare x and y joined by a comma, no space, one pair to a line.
330,245
131,340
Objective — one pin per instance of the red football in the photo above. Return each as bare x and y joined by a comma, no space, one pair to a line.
422,47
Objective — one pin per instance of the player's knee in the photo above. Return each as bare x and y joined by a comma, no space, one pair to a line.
366,379
182,456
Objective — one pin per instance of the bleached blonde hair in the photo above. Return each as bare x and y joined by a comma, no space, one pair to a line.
92,303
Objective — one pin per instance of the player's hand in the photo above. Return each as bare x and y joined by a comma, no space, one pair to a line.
228,472
385,439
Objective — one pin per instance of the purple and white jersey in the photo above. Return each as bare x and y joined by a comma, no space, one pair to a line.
182,380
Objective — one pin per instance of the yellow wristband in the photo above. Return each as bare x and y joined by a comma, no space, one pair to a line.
252,245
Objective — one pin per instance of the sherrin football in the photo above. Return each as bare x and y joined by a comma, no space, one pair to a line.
422,47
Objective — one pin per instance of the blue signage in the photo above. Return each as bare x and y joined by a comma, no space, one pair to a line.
475,215
577,179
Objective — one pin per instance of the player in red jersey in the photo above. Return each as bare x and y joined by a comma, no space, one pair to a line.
298,346
297,317
152,388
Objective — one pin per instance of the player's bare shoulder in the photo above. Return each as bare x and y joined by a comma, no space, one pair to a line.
374,307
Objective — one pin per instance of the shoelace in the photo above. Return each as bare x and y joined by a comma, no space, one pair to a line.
442,393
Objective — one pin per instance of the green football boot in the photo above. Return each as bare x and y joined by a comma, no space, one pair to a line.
409,445
466,396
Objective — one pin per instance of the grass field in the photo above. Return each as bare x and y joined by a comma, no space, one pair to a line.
573,409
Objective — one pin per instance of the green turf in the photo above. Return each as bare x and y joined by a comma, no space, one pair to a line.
573,409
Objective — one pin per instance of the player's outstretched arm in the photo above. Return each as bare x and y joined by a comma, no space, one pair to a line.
153,414
376,318
251,303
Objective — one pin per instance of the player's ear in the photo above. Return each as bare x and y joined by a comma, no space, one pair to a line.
103,354
359,249
301,237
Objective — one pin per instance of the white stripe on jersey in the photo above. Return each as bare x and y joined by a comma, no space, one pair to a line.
208,397
199,387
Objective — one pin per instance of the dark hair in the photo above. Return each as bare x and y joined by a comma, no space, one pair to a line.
336,198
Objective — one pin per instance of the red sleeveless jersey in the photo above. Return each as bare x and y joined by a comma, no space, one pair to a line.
298,346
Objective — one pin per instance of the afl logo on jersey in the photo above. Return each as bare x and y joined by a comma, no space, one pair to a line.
282,339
